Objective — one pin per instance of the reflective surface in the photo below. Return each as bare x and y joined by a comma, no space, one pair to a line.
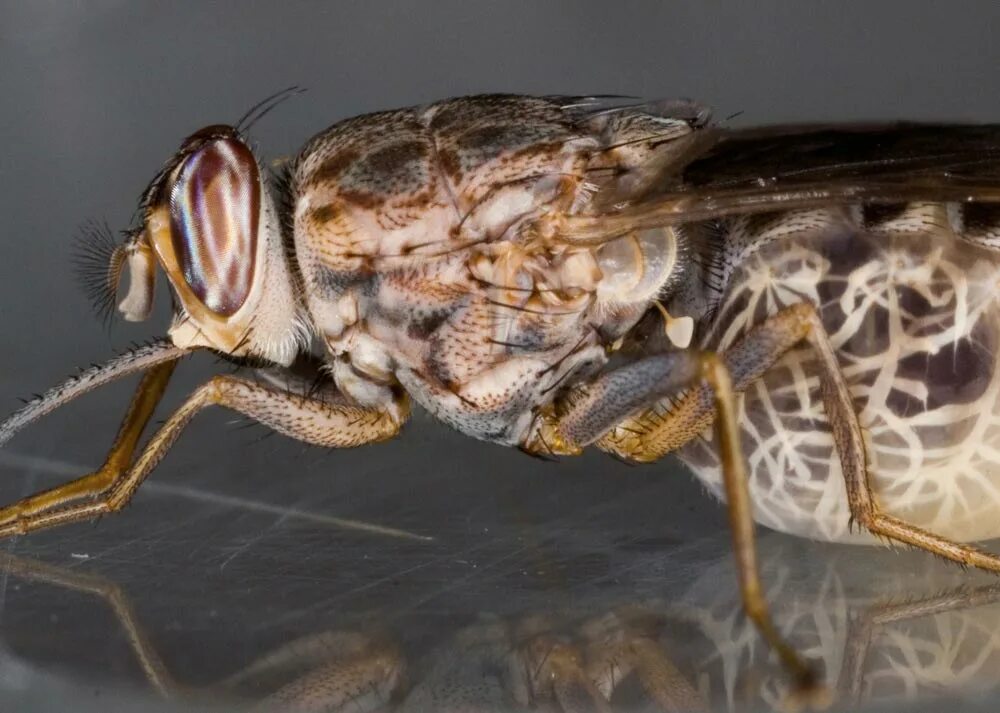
248,564
524,585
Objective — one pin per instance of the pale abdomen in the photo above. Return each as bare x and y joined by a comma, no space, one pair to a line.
914,319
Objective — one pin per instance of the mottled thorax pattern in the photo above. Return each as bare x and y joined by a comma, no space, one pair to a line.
409,236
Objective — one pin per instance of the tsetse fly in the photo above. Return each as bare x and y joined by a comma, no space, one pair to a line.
806,315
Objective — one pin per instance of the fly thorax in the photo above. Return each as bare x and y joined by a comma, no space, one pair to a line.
549,279
336,318
637,267
364,370
635,270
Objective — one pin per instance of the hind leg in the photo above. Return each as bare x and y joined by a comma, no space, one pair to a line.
860,495
650,435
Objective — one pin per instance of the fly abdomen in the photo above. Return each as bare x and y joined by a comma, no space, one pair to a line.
973,222
910,306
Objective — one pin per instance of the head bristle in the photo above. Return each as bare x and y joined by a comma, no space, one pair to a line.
98,260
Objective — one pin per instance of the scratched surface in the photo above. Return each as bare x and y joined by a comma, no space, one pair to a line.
249,565
241,551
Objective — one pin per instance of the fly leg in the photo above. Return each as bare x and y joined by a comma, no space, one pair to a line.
651,435
557,673
860,496
330,671
140,410
325,671
863,627
150,662
603,414
626,643
317,421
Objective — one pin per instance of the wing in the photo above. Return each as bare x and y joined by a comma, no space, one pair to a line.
715,172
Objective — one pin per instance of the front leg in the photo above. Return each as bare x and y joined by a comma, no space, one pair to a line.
312,419
116,463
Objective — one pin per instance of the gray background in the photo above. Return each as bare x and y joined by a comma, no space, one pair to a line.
222,563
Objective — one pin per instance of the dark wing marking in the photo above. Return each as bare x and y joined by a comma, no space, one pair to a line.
719,172
787,155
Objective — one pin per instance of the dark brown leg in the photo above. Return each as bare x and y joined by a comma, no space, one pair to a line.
715,379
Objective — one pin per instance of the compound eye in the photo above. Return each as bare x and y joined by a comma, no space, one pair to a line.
214,212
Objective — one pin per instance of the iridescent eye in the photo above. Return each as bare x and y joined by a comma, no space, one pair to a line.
214,211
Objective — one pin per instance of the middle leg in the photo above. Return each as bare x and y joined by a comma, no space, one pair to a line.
603,413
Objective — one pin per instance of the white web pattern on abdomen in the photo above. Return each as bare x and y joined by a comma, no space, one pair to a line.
915,323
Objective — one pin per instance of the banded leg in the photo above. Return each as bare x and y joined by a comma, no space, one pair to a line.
147,395
319,422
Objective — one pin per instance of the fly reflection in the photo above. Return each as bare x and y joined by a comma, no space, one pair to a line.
896,629
886,627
